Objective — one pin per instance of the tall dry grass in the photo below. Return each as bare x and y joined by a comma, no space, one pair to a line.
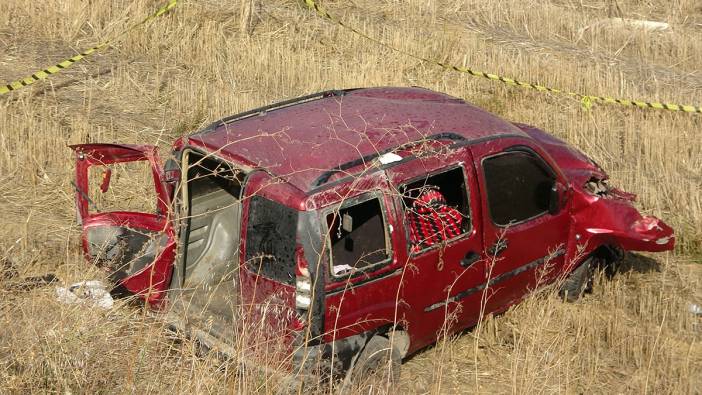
208,59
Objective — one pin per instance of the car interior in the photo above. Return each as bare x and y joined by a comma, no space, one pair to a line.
208,270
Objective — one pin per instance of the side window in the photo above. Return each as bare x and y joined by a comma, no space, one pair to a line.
270,240
518,186
207,175
436,208
358,237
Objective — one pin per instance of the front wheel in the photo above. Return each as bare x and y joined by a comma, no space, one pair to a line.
579,281
376,368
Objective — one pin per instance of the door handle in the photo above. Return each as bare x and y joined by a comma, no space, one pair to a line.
470,258
497,248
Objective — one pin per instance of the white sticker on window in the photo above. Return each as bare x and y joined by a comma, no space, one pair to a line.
347,223
342,269
389,158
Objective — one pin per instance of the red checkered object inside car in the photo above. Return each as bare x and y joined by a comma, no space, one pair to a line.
432,220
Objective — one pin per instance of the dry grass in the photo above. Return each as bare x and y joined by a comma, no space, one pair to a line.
212,58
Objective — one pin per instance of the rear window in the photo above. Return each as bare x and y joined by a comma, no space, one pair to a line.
270,240
123,186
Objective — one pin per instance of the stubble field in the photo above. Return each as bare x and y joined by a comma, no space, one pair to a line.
207,59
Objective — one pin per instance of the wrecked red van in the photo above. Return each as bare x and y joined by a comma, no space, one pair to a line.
362,223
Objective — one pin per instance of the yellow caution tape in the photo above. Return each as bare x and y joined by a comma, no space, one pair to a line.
44,74
585,100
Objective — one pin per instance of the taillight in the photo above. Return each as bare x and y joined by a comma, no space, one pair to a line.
303,299
303,283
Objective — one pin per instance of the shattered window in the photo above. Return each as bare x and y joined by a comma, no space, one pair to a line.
127,186
358,237
271,240
436,208
206,175
518,186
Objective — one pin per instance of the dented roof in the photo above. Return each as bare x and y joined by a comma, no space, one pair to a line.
300,142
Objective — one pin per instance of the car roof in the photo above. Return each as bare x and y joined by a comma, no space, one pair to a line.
302,141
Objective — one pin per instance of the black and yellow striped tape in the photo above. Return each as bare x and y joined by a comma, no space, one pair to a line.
44,74
585,100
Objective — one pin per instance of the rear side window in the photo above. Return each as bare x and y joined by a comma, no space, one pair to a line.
518,186
358,237
270,240
436,208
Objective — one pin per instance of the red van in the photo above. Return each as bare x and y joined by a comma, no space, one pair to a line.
361,223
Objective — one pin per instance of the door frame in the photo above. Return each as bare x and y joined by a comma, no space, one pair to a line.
501,283
455,279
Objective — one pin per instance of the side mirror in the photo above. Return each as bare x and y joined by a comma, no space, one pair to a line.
554,204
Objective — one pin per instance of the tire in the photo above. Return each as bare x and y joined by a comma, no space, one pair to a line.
578,282
375,368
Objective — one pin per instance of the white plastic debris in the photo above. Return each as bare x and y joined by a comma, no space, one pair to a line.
651,26
648,26
92,292
695,309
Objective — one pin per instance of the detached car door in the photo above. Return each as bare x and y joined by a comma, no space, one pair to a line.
123,208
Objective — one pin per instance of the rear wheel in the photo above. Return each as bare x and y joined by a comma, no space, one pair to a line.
579,281
376,368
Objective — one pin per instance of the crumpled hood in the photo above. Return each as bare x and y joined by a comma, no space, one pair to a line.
575,164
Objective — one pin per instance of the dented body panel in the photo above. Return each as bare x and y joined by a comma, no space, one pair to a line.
601,214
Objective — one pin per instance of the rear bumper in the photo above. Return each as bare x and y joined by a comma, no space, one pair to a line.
328,360
311,364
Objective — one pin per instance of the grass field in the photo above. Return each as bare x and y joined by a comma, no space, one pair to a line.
207,59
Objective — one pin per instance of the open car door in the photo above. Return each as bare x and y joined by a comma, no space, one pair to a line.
124,209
